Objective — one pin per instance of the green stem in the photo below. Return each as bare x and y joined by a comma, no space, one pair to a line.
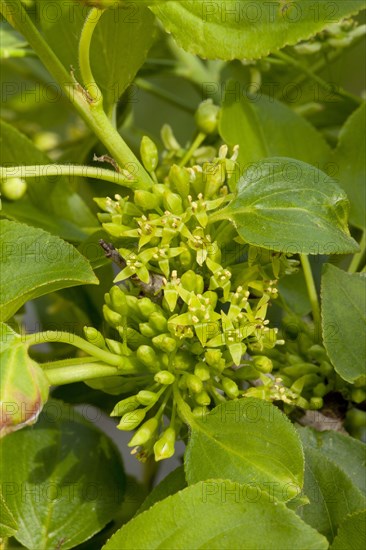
196,143
70,170
79,373
91,86
91,112
313,296
74,340
67,362
325,85
358,257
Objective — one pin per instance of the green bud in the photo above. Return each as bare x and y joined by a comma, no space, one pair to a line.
316,352
133,306
263,363
186,257
147,330
165,342
320,390
126,405
326,368
172,202
13,189
164,377
145,397
118,300
149,154
158,321
192,282
202,398
358,395
146,200
146,307
202,371
131,420
293,359
213,357
183,360
206,117
316,403
144,433
95,337
147,356
194,384
115,347
113,319
168,138
230,387
164,447
179,178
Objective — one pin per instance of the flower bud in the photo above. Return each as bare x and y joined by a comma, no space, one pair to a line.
168,138
13,189
158,321
144,433
213,357
145,397
179,177
230,387
206,117
146,200
115,347
192,282
182,360
131,420
95,337
165,342
126,405
172,202
202,371
164,447
316,403
147,356
263,363
147,330
164,377
202,398
113,319
149,154
118,300
146,307
358,395
320,390
194,384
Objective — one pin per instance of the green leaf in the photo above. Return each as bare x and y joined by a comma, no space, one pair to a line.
23,384
331,493
8,525
345,451
289,206
217,514
35,263
68,481
248,441
245,28
120,42
264,127
175,481
351,533
343,318
350,158
51,202
293,291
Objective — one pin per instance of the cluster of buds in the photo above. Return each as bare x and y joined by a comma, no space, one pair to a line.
202,335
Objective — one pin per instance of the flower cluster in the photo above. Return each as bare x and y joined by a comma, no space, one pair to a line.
189,312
